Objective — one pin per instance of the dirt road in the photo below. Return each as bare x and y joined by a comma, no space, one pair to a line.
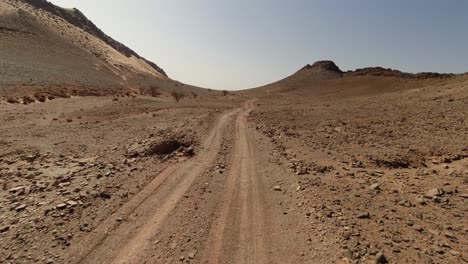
238,230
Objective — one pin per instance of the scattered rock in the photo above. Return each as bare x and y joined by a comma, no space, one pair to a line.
17,190
277,188
364,215
380,258
21,207
192,254
432,193
3,229
375,186
104,195
72,203
61,206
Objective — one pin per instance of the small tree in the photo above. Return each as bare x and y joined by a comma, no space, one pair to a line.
224,92
177,95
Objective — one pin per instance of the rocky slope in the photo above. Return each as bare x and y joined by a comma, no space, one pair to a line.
323,76
45,46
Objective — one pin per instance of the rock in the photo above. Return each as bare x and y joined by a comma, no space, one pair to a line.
21,207
427,260
72,203
364,215
3,229
421,201
455,253
17,190
449,235
375,186
61,206
432,193
104,195
464,195
380,258
277,188
192,254
433,232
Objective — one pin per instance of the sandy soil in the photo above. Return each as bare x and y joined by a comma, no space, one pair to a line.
294,177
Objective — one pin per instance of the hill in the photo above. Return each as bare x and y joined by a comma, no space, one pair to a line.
52,49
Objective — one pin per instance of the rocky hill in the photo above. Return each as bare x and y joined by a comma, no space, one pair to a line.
45,47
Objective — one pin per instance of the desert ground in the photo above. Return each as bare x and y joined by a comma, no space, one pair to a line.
253,177
106,159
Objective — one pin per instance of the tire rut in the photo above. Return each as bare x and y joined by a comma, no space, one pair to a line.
238,236
125,242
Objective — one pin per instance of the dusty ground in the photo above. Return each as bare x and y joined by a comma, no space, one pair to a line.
381,173
283,178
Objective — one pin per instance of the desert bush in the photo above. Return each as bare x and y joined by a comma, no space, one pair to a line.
41,97
194,94
177,95
12,100
224,92
28,99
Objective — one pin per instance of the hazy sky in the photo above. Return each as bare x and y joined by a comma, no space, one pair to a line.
235,44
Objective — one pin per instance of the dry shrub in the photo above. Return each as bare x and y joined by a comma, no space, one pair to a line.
12,100
27,99
41,97
177,95
224,92
194,94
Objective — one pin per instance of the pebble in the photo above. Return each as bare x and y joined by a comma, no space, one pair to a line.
277,188
61,206
192,254
3,229
364,215
436,192
21,207
375,186
380,258
19,189
72,203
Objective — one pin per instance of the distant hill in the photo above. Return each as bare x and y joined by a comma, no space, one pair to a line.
325,77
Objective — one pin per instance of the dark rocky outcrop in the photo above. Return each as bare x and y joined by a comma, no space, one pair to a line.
387,72
324,65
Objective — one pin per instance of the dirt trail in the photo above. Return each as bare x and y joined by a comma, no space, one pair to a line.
239,234
124,241
241,227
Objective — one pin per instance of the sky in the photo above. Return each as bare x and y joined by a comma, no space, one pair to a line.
240,44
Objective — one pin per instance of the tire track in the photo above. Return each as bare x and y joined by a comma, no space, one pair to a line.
238,236
125,242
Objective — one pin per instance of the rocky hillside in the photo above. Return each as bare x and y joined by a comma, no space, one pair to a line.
326,77
78,19
45,46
